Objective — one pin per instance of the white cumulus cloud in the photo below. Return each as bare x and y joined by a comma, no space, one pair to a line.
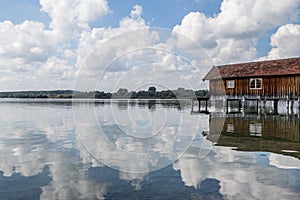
285,42
69,16
232,35
35,56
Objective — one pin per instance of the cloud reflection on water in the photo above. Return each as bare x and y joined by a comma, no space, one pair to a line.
29,142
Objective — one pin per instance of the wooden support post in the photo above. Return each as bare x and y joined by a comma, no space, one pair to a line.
192,104
262,104
205,100
240,105
276,106
288,105
227,104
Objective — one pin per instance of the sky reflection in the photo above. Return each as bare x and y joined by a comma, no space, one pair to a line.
40,147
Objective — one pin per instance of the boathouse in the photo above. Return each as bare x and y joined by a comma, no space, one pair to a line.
262,79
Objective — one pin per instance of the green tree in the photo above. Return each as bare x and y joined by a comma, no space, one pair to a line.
152,89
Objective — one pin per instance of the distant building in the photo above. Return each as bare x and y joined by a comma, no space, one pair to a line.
271,79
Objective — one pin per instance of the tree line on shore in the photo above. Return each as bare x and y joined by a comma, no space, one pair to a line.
122,93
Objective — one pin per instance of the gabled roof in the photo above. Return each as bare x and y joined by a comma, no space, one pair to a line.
289,66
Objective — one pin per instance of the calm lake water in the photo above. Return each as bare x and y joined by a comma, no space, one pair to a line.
144,149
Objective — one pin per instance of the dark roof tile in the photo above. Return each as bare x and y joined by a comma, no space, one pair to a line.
289,66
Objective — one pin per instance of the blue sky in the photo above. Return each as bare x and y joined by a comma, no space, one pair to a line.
21,10
47,40
161,13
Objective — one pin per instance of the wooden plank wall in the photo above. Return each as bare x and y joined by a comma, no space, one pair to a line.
277,87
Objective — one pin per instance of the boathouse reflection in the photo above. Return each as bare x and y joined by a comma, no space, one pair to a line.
271,133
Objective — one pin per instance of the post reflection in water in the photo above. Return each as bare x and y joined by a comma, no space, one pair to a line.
45,154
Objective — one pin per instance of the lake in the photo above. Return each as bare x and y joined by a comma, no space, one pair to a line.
144,149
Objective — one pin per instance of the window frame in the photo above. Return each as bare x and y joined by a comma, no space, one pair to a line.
230,128
230,86
255,83
255,129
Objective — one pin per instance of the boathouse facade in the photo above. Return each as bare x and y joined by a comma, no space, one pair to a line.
262,79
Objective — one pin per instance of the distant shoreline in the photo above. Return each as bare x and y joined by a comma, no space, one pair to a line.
151,93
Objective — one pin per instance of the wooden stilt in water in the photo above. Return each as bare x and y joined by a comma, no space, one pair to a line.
192,104
205,99
240,105
287,105
227,104
276,106
258,103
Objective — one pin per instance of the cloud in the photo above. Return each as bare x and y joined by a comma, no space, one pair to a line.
69,16
285,42
65,184
90,38
136,12
196,26
250,178
139,135
98,47
232,34
244,19
28,148
20,149
28,41
55,68
30,50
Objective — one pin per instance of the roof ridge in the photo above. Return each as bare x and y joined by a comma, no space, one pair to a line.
258,61
279,67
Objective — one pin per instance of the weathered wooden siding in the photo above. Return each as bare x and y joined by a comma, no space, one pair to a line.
279,86
217,87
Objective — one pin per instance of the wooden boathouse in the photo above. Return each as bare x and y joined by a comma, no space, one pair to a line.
260,81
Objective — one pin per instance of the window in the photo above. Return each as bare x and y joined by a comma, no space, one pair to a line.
255,129
230,128
255,83
230,84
